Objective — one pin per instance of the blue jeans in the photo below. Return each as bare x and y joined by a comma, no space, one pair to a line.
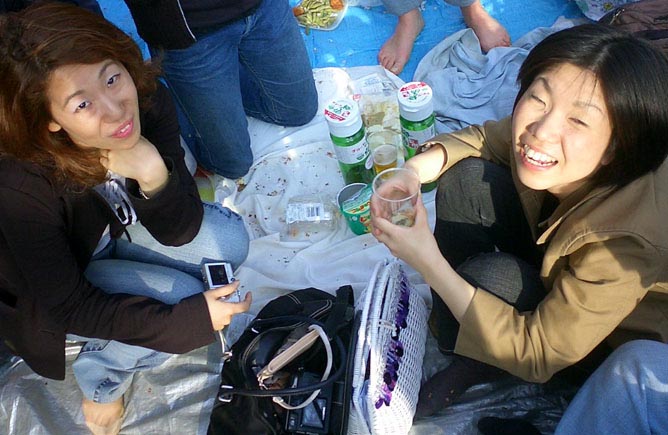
255,66
627,394
104,368
400,7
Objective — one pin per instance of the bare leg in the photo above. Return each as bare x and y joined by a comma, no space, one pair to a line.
103,418
489,31
397,50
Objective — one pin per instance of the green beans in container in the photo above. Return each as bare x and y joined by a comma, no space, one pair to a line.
320,14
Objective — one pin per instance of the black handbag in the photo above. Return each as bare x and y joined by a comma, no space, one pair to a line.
290,372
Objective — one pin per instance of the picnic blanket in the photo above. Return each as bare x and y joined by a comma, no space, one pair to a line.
177,397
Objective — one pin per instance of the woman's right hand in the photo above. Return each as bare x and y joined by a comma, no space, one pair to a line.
142,162
222,311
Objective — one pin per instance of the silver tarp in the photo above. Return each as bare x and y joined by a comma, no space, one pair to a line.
177,398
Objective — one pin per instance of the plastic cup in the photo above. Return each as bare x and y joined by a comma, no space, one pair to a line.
384,157
395,192
384,137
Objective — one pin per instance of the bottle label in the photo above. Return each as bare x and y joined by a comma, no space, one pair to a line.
413,139
355,153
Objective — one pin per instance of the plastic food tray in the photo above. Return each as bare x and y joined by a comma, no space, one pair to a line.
310,6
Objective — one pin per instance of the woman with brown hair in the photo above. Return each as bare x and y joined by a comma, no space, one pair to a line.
102,231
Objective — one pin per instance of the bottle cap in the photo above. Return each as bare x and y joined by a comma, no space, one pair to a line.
415,101
343,117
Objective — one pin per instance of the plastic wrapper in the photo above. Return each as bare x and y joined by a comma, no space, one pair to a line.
309,216
320,14
376,94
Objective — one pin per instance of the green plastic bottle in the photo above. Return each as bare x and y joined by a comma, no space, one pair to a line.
348,136
416,115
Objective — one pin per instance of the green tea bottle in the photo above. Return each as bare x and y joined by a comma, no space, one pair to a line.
350,146
416,115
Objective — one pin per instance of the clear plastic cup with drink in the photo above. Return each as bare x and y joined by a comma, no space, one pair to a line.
395,193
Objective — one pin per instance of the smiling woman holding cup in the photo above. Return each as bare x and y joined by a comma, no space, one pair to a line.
550,224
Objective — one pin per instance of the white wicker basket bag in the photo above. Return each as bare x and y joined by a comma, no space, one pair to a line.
389,354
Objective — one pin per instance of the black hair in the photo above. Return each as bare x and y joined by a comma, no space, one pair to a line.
632,76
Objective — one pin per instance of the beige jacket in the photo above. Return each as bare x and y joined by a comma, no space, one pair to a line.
605,266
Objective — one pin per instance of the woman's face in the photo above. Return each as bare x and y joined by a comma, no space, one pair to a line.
96,105
561,130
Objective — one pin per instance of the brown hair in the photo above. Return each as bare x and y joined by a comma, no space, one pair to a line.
33,43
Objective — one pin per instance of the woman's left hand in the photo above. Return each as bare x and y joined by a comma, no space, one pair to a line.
415,245
142,162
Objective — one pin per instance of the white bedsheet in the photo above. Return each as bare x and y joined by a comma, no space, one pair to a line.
291,162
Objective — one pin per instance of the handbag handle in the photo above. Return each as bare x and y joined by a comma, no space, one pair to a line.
230,391
294,351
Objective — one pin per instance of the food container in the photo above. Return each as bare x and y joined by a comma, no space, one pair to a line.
354,202
320,14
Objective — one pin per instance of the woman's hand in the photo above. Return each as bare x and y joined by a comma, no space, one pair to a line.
415,245
142,162
220,310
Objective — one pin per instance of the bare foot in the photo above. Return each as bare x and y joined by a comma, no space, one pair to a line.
103,418
489,31
397,50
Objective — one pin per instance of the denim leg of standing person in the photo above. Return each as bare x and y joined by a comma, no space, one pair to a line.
400,7
104,368
482,231
256,66
460,3
627,394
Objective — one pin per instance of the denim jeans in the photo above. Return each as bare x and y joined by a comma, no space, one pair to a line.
627,394
400,7
482,231
104,368
255,66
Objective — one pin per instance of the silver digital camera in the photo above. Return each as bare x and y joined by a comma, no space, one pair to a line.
218,275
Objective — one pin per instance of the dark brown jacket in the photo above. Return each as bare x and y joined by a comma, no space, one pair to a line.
47,237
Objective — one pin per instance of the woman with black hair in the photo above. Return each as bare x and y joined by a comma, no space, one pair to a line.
550,232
